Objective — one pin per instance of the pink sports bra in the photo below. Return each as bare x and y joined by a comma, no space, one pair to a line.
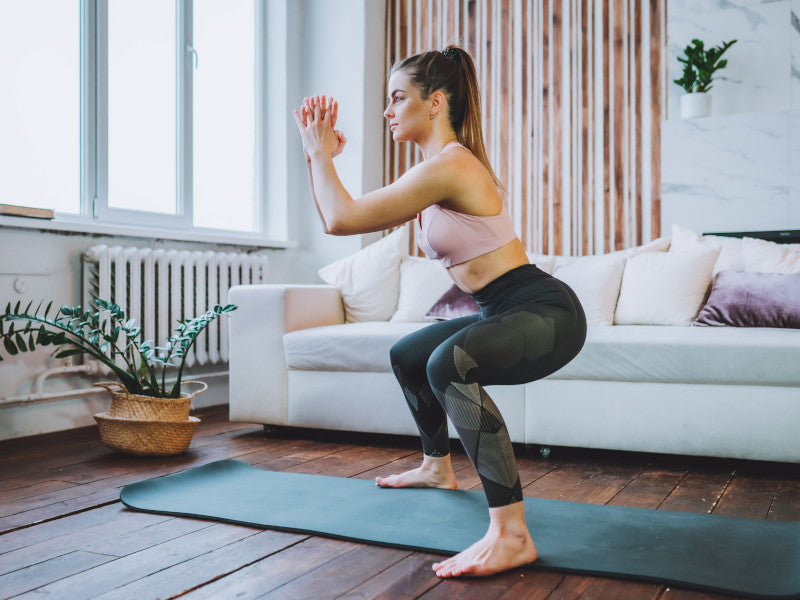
455,237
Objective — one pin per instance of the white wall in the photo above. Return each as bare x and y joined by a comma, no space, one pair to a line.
739,169
335,47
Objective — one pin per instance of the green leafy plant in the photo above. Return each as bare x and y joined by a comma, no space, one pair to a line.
98,334
699,65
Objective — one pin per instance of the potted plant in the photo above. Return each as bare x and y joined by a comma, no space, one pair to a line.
148,414
699,66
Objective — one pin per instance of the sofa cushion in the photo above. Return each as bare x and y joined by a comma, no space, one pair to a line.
350,347
595,280
731,256
369,279
544,262
753,300
677,354
422,283
665,288
454,303
762,256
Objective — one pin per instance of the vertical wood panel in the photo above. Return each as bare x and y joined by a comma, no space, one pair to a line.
553,78
619,122
524,124
505,109
425,26
586,195
637,142
656,56
546,123
558,121
607,140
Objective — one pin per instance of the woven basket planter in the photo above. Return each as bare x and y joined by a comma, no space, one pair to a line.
146,438
145,425
148,408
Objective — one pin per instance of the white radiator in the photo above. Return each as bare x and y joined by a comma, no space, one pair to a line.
160,287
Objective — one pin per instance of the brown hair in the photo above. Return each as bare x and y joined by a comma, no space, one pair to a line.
452,72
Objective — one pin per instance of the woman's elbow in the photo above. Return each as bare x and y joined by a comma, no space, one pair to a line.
334,227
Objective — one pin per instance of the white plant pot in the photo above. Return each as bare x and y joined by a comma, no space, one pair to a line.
697,104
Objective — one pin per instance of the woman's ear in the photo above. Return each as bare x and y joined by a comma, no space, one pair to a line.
438,103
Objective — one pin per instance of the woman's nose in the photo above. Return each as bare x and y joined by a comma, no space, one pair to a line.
387,113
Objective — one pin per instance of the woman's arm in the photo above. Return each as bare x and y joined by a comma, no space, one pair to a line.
314,196
426,183
305,109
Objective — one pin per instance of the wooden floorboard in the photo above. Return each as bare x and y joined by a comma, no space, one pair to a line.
64,533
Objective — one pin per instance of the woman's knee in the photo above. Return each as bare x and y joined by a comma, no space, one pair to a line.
404,357
440,368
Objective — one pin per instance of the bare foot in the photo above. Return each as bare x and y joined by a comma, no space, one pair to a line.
506,545
435,472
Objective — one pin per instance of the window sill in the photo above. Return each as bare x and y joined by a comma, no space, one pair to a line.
65,224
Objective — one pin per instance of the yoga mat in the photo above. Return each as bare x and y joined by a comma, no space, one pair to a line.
751,557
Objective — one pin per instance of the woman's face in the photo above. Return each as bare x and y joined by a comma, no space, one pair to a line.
408,113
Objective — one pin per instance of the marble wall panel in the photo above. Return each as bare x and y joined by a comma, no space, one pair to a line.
759,64
794,48
738,170
794,170
687,6
727,173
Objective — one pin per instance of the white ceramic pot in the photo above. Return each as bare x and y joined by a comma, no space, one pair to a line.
697,104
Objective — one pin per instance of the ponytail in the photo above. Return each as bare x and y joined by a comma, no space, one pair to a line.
452,72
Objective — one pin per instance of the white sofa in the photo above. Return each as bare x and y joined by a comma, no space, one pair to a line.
712,391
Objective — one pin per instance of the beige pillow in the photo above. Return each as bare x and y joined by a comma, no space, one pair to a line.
595,280
368,280
422,282
664,288
768,257
731,256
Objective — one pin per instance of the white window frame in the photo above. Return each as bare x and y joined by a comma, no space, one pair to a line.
274,215
97,189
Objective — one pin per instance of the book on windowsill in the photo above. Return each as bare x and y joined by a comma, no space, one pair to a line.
26,211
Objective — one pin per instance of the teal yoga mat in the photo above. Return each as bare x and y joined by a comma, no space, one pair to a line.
751,557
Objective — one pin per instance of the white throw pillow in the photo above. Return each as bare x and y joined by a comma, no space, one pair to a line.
545,262
664,288
595,280
657,245
422,282
368,280
731,256
768,257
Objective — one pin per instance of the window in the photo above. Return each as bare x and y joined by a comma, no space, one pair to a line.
134,112
40,68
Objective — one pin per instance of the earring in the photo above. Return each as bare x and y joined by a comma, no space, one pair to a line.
432,115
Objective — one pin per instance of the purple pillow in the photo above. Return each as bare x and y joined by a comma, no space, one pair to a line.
454,303
743,299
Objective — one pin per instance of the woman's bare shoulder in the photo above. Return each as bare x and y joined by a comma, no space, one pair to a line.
473,188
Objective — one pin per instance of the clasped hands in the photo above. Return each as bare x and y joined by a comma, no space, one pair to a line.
316,121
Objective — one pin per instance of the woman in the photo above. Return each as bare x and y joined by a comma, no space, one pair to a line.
529,325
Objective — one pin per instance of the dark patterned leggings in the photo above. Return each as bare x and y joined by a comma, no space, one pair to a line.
530,325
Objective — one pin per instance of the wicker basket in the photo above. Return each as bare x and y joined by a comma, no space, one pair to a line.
125,405
145,425
146,438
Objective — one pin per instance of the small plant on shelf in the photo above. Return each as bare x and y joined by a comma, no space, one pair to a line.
699,65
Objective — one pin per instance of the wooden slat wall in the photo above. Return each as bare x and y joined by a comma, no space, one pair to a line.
564,85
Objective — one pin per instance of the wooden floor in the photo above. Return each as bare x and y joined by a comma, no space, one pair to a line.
64,533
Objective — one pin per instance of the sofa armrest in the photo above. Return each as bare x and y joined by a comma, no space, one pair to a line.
257,364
